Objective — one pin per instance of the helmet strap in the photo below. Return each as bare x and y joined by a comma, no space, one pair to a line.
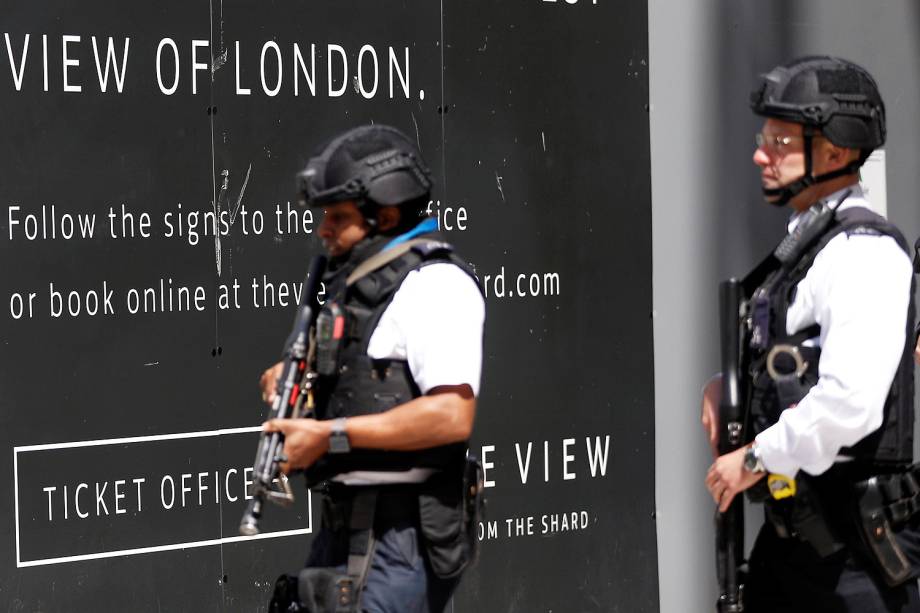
787,192
368,209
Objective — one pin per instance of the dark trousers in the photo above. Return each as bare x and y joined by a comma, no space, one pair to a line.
400,579
788,576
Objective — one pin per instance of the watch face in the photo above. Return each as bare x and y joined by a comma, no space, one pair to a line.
338,443
750,460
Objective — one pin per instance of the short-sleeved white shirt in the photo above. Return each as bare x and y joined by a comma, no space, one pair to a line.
435,323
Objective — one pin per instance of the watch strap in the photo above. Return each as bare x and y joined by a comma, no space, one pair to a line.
338,438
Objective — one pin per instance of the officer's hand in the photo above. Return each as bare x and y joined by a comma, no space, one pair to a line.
727,477
305,441
268,380
917,351
712,395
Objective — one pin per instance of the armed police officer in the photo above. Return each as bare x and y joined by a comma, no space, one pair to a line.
827,371
397,355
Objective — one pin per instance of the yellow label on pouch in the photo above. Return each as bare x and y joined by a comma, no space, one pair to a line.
780,486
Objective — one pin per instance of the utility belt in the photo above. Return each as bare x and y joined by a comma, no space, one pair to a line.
445,509
849,507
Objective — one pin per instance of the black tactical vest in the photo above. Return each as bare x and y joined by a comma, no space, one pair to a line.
783,367
351,383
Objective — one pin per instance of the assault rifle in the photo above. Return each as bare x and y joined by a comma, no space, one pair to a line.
730,525
293,389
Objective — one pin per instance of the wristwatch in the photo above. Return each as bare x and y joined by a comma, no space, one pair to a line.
338,438
753,463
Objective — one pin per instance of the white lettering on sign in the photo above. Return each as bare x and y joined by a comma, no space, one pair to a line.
116,500
381,70
597,454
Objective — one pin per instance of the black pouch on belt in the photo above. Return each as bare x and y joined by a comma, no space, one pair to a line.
810,519
805,518
877,535
449,513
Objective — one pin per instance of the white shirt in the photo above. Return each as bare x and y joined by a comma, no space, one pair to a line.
857,290
434,322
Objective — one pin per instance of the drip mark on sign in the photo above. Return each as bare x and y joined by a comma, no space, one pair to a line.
498,181
152,363
543,136
239,200
417,139
218,205
484,44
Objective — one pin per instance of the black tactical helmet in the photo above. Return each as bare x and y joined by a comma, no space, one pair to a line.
828,96
374,165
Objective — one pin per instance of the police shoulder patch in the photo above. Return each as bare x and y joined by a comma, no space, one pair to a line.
429,248
862,231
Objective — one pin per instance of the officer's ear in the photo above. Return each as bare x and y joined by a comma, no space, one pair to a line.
836,157
387,218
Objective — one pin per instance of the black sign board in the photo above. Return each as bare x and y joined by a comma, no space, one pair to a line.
154,252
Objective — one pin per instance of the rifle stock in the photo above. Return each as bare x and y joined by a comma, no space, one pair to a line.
292,388
730,525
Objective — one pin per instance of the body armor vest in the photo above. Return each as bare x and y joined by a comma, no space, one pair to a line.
351,383
784,367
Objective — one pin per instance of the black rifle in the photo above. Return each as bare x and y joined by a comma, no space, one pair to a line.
293,388
730,525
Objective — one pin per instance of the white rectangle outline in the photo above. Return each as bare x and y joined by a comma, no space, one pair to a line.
141,550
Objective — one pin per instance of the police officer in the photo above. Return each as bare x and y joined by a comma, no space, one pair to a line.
398,353
829,366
